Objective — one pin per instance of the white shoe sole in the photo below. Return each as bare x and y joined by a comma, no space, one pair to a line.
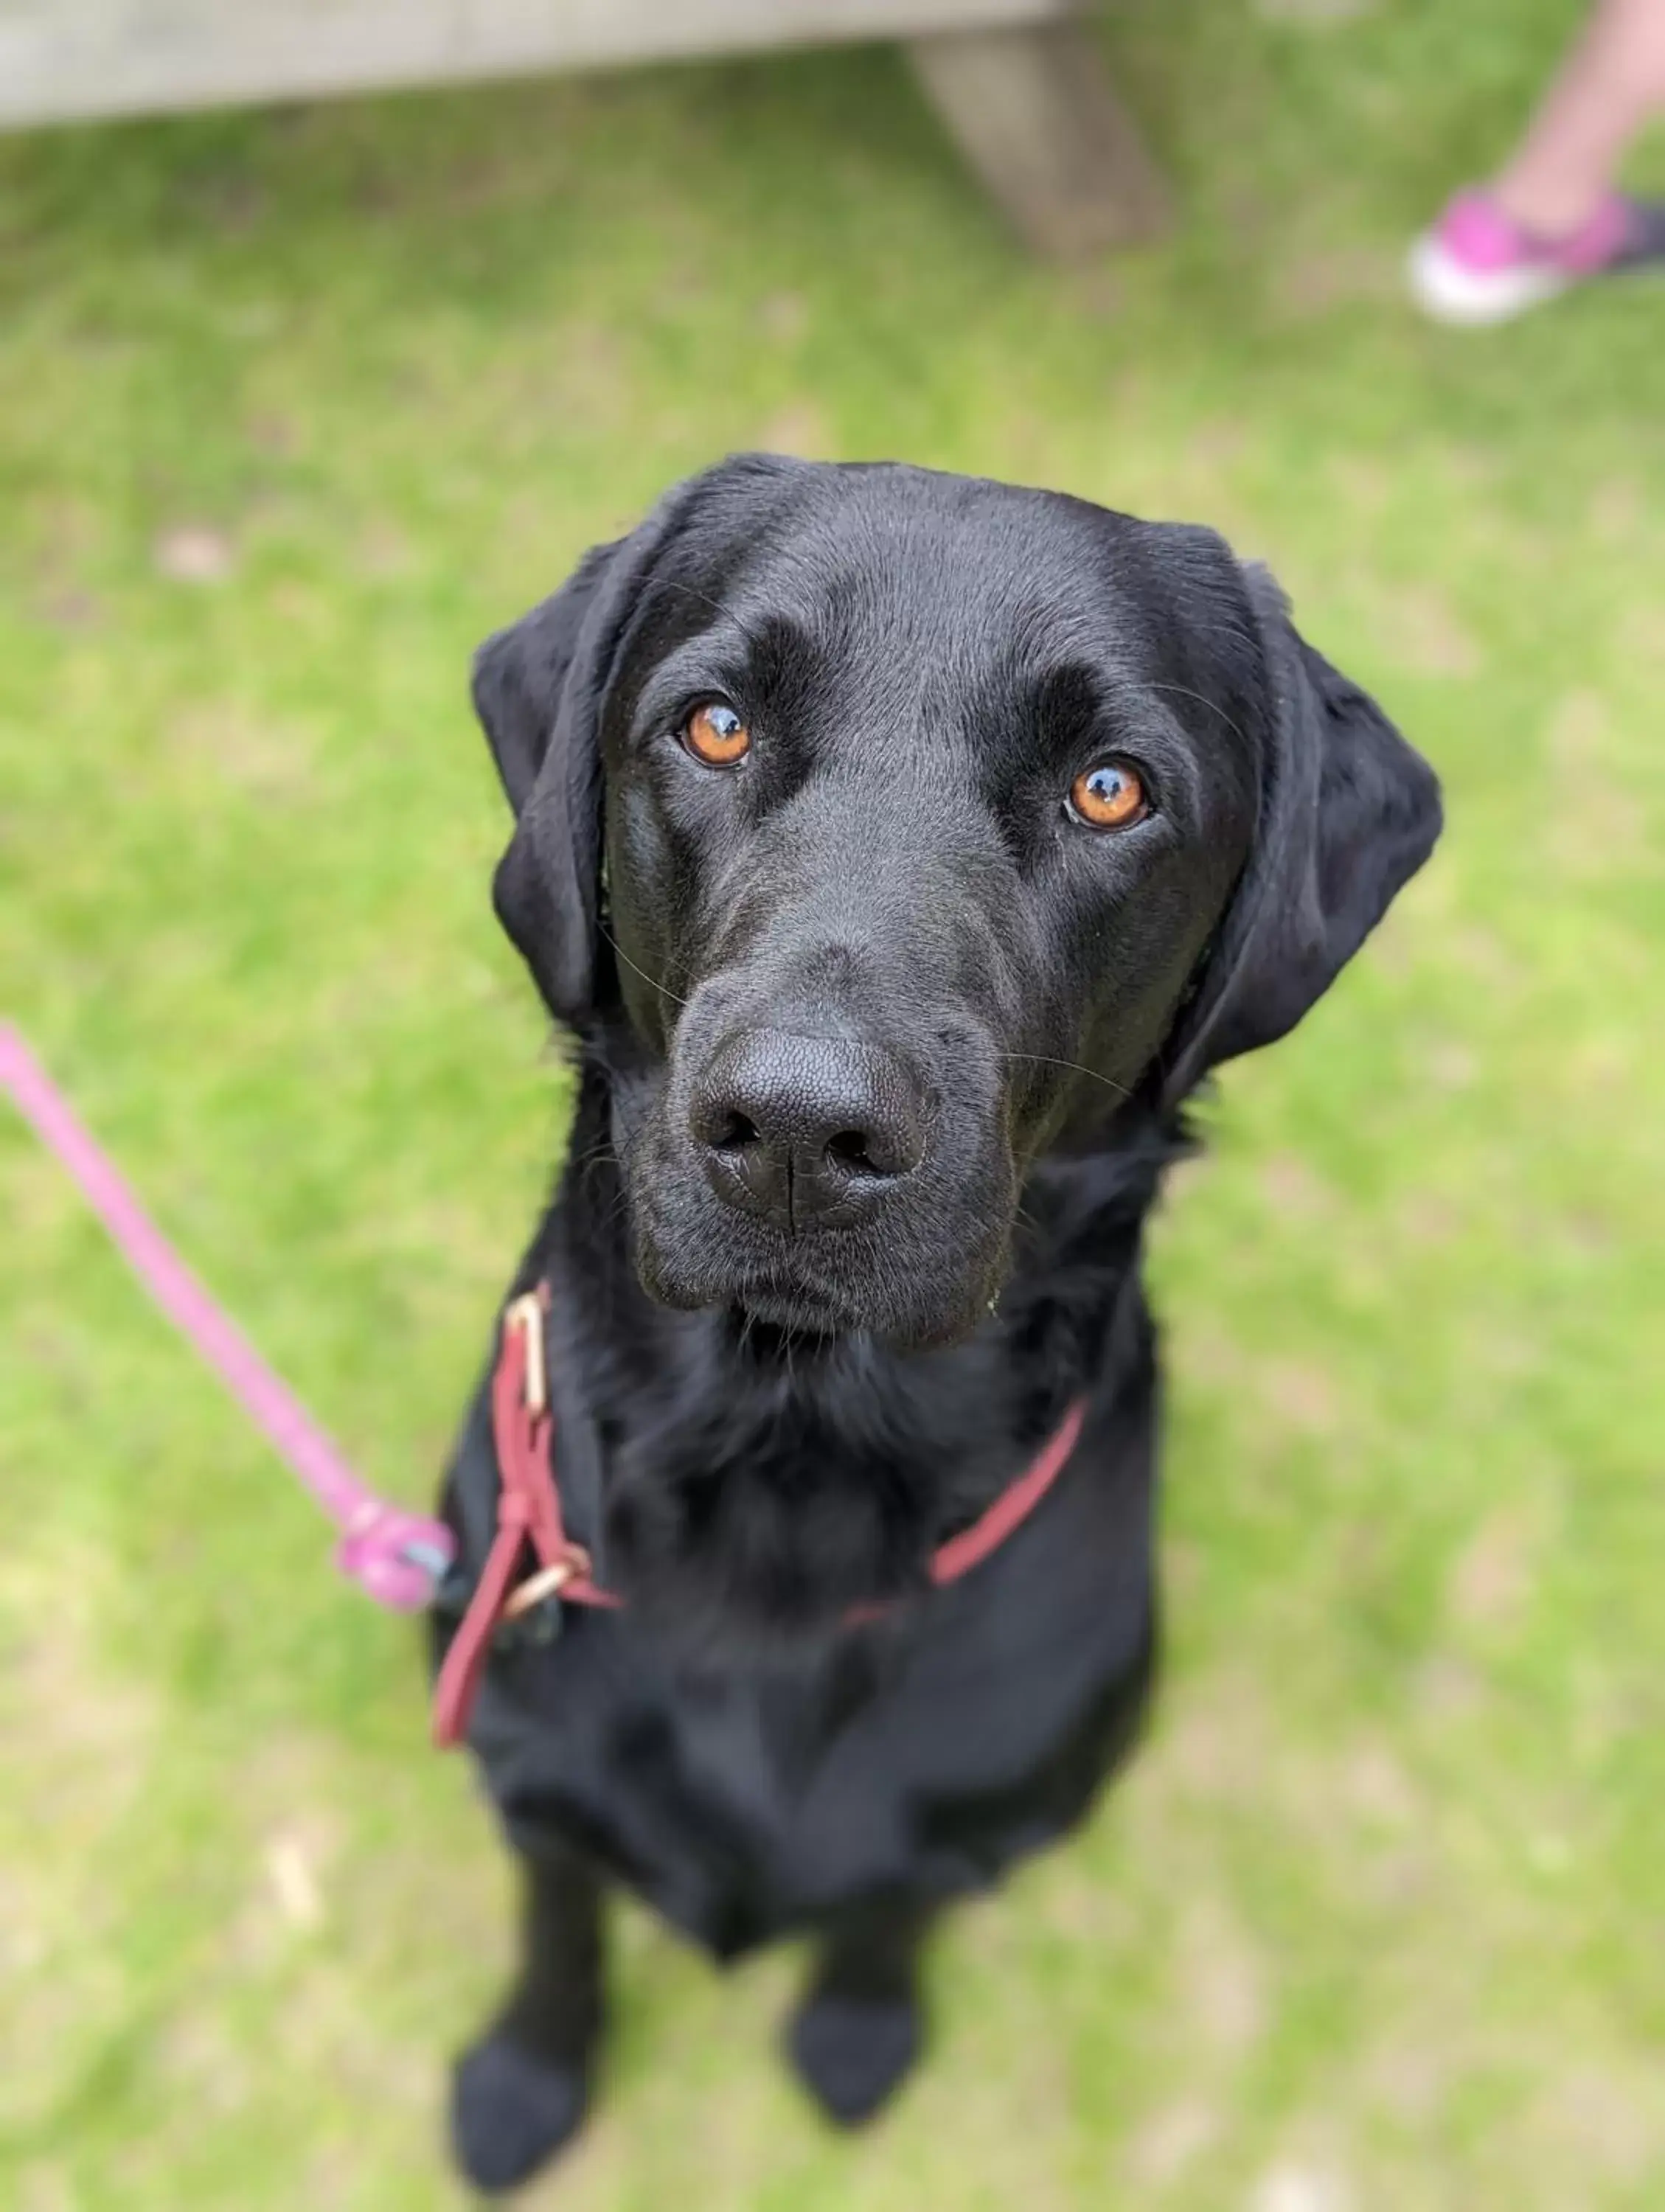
1444,288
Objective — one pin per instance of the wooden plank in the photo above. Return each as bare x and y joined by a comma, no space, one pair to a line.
82,57
1032,110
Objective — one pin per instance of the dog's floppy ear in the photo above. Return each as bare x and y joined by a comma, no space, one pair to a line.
1349,812
539,687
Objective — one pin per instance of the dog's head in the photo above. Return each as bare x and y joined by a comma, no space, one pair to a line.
903,828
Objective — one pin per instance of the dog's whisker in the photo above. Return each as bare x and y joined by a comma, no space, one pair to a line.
1047,1060
664,989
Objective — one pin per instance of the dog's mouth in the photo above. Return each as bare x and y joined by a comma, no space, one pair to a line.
778,1306
779,1323
778,1312
794,1293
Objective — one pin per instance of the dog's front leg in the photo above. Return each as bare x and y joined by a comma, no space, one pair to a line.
859,2028
520,2092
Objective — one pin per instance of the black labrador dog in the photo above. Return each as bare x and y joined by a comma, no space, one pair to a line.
902,849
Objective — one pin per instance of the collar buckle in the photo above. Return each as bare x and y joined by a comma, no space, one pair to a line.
527,1313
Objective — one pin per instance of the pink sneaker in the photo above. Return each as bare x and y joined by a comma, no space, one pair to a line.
1476,265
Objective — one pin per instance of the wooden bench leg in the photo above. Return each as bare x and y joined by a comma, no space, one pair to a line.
1032,110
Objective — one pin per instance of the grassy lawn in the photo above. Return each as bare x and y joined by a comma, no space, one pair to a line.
293,409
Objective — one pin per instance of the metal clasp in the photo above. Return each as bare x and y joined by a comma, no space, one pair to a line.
527,1313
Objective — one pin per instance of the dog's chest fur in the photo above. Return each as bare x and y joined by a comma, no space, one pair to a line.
745,1781
923,1751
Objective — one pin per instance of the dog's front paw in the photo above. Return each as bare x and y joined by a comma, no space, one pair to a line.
851,2053
510,2111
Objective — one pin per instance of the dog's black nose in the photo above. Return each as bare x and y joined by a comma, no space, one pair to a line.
805,1129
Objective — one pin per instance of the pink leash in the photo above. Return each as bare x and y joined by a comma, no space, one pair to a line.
397,1558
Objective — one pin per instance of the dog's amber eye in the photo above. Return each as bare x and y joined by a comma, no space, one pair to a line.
1108,796
715,734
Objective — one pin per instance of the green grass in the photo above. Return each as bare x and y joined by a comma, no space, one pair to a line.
1375,1922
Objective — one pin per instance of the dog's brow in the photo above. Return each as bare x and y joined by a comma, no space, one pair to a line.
1183,691
723,613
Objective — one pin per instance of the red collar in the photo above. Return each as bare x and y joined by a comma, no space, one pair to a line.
529,1510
